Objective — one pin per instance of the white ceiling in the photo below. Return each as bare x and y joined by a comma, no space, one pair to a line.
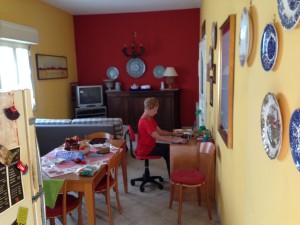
84,7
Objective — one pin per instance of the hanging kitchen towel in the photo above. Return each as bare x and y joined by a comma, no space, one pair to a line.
51,189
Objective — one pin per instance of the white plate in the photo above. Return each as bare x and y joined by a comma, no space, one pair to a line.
112,73
271,126
269,47
289,13
246,37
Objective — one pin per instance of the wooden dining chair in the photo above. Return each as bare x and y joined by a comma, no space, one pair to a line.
194,178
65,204
111,181
99,135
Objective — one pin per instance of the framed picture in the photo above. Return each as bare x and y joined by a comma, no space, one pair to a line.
211,90
51,67
227,47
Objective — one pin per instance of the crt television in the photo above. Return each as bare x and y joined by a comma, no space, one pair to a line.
89,96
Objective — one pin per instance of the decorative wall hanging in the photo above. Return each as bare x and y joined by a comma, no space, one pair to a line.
271,125
214,35
289,13
135,67
269,47
112,73
211,96
133,51
158,71
227,43
51,67
295,137
246,37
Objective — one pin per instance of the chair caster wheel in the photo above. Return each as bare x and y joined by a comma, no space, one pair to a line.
161,179
142,189
132,183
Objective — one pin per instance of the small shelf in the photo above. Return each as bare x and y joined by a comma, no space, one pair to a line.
90,112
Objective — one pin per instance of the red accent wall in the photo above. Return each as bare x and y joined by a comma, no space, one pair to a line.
171,38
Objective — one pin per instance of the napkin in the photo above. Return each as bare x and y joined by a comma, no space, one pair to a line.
51,189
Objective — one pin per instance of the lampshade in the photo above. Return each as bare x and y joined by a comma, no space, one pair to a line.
170,72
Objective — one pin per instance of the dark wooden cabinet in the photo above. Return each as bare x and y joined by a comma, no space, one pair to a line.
129,105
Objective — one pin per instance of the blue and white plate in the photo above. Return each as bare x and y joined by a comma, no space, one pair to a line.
135,67
271,126
289,12
269,47
112,73
158,71
295,137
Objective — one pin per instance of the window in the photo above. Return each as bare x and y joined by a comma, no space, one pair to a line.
15,68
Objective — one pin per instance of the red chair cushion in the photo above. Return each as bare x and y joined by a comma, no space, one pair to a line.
102,184
72,203
131,133
143,157
187,176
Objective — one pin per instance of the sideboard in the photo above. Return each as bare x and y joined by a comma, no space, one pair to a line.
129,105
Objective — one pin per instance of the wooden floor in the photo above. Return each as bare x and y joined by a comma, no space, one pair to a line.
150,207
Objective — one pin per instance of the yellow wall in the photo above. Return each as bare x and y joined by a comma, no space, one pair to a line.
56,37
251,189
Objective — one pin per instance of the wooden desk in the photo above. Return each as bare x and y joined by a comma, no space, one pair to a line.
87,184
184,156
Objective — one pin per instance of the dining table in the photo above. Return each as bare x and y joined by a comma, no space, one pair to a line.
87,184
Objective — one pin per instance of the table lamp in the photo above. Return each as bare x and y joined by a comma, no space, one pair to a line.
170,73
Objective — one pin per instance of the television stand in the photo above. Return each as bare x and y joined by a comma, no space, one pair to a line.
89,112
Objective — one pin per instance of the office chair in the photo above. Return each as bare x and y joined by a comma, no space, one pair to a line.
146,178
187,178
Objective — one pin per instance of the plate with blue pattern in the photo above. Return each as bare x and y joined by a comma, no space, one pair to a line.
289,13
158,71
269,47
271,125
135,67
294,134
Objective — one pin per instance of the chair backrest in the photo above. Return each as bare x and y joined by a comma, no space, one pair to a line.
112,167
206,157
131,134
99,135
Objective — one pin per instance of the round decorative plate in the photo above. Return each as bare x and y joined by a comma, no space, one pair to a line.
214,35
246,37
271,125
112,73
289,13
295,137
135,67
158,71
269,47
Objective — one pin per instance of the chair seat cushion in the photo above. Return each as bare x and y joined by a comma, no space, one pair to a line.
143,157
187,176
102,184
72,203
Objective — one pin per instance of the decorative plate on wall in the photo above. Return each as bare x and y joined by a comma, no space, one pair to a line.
210,57
246,37
295,137
269,47
271,126
112,73
214,35
135,67
289,13
158,71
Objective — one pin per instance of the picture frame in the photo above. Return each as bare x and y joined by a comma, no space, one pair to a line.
51,67
211,90
227,49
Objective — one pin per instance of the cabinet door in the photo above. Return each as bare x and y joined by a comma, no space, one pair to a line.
118,107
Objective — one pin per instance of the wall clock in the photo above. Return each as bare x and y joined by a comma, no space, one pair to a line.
271,125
